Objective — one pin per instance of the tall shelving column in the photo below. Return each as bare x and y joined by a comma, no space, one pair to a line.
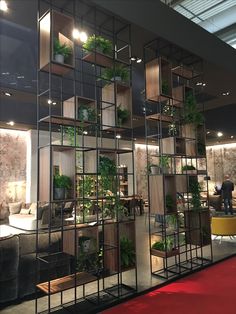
181,226
84,126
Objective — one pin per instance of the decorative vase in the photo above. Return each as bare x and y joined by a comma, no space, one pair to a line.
59,58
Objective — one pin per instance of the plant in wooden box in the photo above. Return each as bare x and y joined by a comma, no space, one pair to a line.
123,115
164,164
118,73
61,186
127,253
164,247
86,113
61,51
99,44
189,169
191,116
107,170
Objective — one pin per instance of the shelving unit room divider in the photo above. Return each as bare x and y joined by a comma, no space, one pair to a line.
179,219
86,255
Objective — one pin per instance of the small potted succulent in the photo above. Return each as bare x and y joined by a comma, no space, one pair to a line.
164,164
61,51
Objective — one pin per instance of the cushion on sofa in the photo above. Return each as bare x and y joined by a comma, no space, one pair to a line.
33,208
24,211
14,208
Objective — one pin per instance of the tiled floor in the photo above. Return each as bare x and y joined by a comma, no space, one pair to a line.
145,280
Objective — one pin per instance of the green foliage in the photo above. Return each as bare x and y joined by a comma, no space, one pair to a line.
115,208
169,202
172,130
91,112
172,220
61,49
166,244
62,181
98,43
188,167
164,161
168,110
123,115
165,87
118,70
107,170
86,186
191,113
127,252
195,189
70,132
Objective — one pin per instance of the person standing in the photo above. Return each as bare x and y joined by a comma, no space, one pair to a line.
226,189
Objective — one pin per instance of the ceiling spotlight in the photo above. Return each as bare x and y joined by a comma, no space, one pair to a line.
83,37
139,60
54,103
85,132
219,134
49,101
7,94
118,136
203,84
231,136
225,93
3,6
208,132
20,77
11,123
75,33
199,83
133,58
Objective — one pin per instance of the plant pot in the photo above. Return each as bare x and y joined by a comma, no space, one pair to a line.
59,193
84,115
116,78
59,58
154,170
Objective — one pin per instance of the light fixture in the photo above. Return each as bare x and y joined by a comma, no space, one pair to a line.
118,136
225,93
20,77
7,94
139,60
85,132
219,134
54,103
3,6
49,101
208,132
11,123
201,84
83,37
133,58
231,136
75,33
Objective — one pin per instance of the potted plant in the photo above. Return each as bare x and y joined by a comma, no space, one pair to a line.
164,163
61,185
98,43
127,253
169,202
164,248
172,221
86,113
195,190
189,169
118,73
107,170
154,169
123,115
191,116
61,51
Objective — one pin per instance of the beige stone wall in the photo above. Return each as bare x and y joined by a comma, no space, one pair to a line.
13,147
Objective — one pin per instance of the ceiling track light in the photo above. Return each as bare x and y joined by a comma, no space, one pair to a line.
7,94
11,123
139,60
82,36
225,93
219,134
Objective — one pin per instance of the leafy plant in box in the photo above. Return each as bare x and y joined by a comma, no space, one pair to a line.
127,252
98,43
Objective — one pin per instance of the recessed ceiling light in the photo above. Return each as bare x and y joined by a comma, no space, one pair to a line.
231,136
139,60
49,101
3,6
225,93
219,134
20,77
208,132
133,58
7,94
85,132
11,123
5,73
118,136
203,84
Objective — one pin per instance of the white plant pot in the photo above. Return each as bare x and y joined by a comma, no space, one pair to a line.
85,114
59,58
154,170
117,79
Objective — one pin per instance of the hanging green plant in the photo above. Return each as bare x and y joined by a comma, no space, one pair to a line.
86,113
127,252
107,170
191,113
99,44
195,189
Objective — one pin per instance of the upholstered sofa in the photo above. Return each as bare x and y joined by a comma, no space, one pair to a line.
18,263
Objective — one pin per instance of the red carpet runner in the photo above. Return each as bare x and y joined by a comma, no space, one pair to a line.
211,291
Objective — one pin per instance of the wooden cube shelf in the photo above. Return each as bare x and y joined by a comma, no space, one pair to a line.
71,108
56,26
173,145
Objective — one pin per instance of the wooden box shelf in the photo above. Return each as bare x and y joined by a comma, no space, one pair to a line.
56,26
185,72
158,79
99,59
67,282
173,146
160,117
164,254
72,107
